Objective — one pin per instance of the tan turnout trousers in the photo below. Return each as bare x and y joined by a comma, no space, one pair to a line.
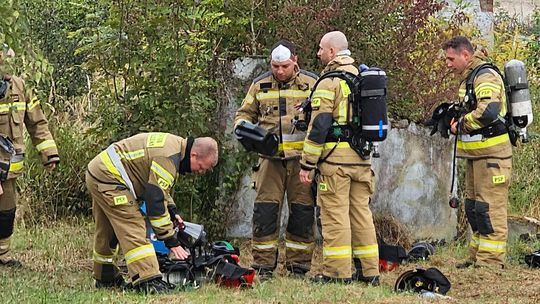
347,223
274,178
487,183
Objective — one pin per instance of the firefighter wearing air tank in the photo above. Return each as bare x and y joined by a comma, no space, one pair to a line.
19,109
484,143
141,167
271,102
346,180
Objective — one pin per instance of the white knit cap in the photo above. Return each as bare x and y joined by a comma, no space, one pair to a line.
281,53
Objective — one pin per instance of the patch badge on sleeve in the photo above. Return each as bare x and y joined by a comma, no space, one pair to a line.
485,93
163,184
499,179
120,200
156,140
315,103
323,187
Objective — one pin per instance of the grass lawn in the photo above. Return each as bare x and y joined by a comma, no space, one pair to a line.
58,263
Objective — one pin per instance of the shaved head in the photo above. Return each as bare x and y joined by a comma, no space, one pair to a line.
331,44
204,154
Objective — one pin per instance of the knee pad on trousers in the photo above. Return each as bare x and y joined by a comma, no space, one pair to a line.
7,219
470,212
301,221
483,220
265,217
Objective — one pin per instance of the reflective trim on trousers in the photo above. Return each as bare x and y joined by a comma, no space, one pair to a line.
493,246
366,251
103,259
340,252
140,252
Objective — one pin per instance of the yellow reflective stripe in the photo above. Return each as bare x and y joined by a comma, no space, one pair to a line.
366,251
267,95
109,165
472,121
312,149
265,244
156,140
474,242
345,90
131,155
340,252
298,245
103,259
33,103
320,93
282,93
13,106
489,142
493,246
291,145
159,170
46,144
162,221
342,111
341,145
14,167
487,86
295,93
140,252
248,100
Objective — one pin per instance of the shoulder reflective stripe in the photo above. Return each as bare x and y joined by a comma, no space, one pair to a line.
291,145
374,127
162,221
366,251
320,93
156,140
248,100
345,90
487,85
110,167
493,246
312,149
103,259
140,253
341,252
342,111
298,245
472,121
32,104
17,166
267,95
159,170
131,155
265,245
46,144
490,142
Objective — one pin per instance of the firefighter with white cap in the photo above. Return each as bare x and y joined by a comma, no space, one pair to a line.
270,103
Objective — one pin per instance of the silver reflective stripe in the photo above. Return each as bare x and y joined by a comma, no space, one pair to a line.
372,73
294,137
267,246
374,127
296,246
117,163
468,138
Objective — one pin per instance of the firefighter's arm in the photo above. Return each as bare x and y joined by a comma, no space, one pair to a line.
489,90
159,202
322,104
38,128
249,110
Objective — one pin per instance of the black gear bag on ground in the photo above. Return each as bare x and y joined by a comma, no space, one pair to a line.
533,259
431,279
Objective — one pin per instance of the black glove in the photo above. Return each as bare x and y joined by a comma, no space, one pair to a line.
440,119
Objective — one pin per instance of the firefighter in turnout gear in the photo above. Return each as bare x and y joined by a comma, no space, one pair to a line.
271,102
484,143
142,167
19,109
346,180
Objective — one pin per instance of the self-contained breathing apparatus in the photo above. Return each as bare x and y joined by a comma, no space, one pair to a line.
368,124
216,262
518,115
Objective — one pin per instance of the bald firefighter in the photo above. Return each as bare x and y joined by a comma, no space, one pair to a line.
346,180
141,167
484,143
271,102
19,108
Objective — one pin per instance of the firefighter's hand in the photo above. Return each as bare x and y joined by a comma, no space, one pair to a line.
179,221
304,176
453,126
179,252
